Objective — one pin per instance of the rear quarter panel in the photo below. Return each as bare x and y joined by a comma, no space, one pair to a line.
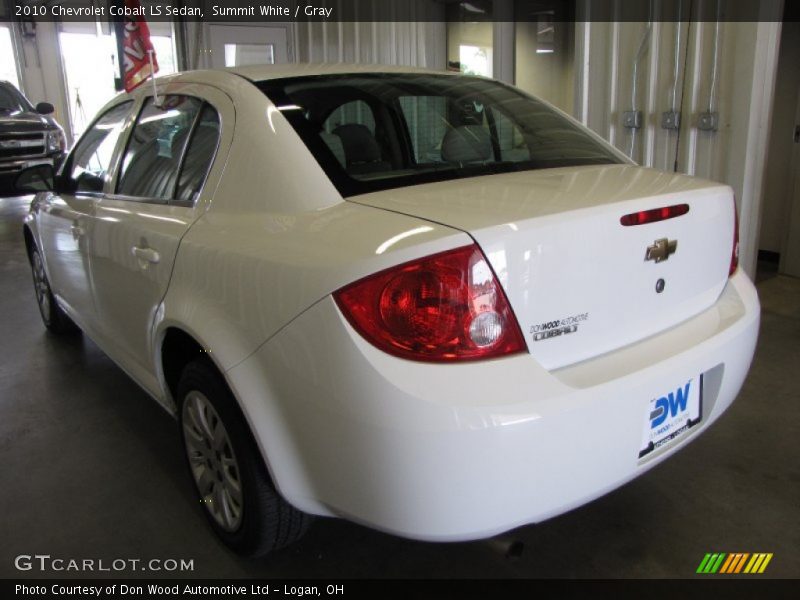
275,237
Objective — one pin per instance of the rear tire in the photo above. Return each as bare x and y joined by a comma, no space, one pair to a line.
54,318
231,480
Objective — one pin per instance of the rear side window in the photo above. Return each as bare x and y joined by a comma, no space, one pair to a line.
92,156
156,146
199,154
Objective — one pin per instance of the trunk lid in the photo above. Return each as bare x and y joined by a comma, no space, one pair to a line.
578,280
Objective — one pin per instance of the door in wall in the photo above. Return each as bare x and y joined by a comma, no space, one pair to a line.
790,257
236,46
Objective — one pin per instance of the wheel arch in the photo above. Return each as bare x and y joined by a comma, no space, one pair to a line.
177,349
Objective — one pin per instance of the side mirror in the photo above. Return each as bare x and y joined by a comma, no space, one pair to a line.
45,108
38,178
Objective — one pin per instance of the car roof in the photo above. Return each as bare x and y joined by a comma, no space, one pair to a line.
264,72
256,73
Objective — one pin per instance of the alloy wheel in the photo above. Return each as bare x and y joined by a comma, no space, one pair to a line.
41,286
212,461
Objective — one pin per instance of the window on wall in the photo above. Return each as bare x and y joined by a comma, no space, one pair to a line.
470,35
544,54
238,55
89,55
8,64
475,60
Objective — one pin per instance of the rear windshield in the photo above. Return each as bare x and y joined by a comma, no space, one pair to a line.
372,132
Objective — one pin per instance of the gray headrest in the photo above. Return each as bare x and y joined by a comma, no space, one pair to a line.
468,143
359,144
334,143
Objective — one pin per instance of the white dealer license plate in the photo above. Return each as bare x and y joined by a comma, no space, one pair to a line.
671,414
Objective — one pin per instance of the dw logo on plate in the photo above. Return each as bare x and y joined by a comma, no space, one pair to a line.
671,404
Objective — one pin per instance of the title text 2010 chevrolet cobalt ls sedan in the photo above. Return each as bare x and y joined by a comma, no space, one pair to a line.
425,302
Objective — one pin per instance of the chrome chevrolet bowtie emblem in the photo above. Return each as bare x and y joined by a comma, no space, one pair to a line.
9,144
661,249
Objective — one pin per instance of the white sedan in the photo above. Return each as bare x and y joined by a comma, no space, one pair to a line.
425,302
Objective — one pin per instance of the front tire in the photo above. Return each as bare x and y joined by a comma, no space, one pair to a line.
231,480
54,318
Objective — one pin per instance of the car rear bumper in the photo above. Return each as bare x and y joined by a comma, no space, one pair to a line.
456,452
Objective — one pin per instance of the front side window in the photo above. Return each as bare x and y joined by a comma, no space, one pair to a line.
379,131
156,146
92,156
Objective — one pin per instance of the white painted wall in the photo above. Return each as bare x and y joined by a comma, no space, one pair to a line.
739,90
547,75
408,43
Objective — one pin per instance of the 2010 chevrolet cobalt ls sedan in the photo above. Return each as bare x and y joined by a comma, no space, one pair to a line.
425,302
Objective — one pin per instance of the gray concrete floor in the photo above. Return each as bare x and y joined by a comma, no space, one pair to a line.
91,468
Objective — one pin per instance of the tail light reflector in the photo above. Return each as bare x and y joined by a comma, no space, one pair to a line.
446,307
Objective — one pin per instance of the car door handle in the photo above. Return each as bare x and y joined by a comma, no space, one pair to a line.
146,254
77,231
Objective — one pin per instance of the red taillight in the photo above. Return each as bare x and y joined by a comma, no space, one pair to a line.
441,308
654,215
735,251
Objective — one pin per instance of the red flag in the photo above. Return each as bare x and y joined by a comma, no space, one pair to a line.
137,48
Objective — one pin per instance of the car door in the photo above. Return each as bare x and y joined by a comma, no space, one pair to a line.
65,217
155,196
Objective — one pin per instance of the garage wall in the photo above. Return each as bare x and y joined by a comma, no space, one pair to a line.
419,44
727,68
417,38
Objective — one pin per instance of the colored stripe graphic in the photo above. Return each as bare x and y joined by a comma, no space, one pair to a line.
741,562
711,563
758,563
733,563
727,564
